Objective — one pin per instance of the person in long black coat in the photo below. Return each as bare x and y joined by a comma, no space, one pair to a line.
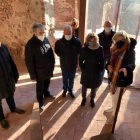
91,62
121,74
39,59
8,77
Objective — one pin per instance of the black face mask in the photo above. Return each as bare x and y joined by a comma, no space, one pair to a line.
73,24
120,44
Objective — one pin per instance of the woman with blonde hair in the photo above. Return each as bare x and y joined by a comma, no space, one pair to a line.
75,27
91,62
120,67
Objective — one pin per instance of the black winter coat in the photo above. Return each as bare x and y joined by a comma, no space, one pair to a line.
68,52
103,43
8,73
92,64
77,32
128,62
39,58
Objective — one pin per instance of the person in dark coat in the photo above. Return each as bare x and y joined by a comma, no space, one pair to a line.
120,66
8,77
105,40
39,59
68,48
91,62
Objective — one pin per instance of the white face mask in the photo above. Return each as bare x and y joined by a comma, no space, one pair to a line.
41,38
68,37
107,29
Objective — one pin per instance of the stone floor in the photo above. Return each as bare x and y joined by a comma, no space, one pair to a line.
64,118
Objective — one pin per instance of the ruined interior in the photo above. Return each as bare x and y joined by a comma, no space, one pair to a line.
64,119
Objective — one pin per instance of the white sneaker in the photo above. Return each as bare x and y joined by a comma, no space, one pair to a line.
110,120
110,109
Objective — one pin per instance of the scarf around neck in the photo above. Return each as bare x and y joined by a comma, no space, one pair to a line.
117,56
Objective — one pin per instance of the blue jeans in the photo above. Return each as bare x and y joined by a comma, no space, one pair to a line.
105,62
68,80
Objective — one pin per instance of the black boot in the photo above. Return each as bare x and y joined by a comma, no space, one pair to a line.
92,103
83,102
72,94
64,93
50,96
19,111
4,124
41,105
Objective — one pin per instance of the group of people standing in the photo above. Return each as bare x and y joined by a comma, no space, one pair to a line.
107,50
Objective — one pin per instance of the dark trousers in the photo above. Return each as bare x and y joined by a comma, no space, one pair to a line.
93,92
42,88
11,103
105,62
68,80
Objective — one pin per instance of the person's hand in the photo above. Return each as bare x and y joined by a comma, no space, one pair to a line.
124,70
110,68
33,80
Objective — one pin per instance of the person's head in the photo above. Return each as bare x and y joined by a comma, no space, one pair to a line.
92,39
107,27
38,31
67,32
121,38
75,23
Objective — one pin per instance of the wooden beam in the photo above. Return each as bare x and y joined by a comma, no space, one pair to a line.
83,20
35,124
117,14
117,109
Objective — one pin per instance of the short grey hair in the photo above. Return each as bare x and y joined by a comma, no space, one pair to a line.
37,25
68,27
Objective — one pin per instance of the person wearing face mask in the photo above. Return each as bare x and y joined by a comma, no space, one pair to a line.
8,77
91,62
68,48
39,59
105,40
75,27
120,66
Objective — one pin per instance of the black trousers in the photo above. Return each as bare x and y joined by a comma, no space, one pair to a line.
42,88
11,103
93,92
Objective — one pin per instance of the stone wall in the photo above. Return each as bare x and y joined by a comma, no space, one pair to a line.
16,20
18,16
65,11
